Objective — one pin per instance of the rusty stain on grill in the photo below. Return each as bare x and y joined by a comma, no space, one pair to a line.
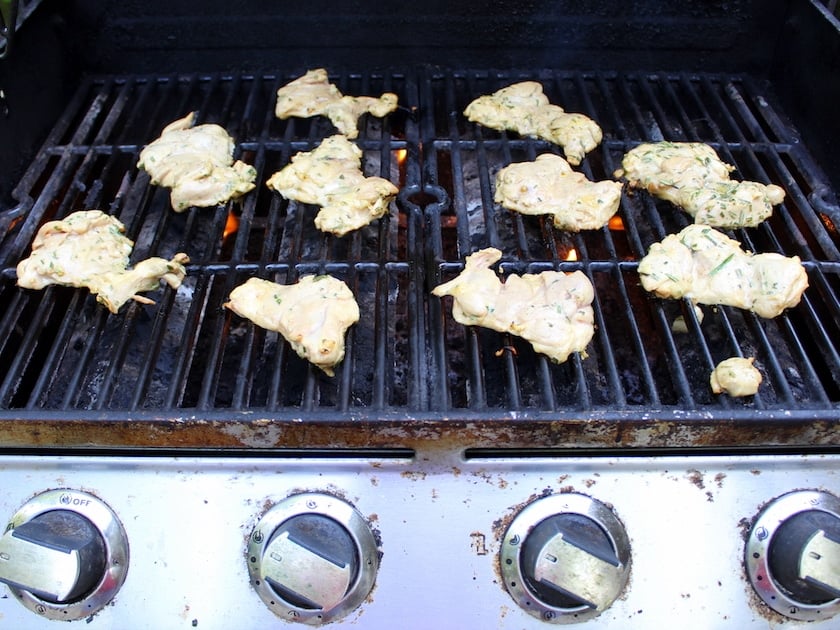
185,373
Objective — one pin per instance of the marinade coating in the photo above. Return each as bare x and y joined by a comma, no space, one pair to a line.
552,310
693,177
313,314
735,376
708,267
331,176
548,185
197,163
88,249
525,109
313,95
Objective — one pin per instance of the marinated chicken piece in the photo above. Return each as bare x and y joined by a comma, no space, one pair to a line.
680,326
313,95
735,376
708,267
331,176
197,164
693,177
523,108
312,315
552,310
548,185
88,249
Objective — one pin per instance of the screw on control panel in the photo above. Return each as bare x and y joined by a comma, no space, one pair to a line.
761,533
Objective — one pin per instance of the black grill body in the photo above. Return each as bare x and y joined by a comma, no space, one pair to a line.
186,373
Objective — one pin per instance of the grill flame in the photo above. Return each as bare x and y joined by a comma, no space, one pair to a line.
401,155
231,225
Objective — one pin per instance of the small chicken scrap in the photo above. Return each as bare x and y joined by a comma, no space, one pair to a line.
88,249
313,315
735,376
197,164
313,95
708,267
548,185
693,177
552,310
331,176
523,108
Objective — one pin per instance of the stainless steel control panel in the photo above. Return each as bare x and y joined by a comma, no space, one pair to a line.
417,541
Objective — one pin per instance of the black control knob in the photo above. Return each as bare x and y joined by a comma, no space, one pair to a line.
312,558
565,557
569,561
311,561
792,555
58,555
64,554
804,556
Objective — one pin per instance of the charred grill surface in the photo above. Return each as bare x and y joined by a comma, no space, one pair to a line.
187,373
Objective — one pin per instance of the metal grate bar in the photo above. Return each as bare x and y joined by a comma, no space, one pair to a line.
155,346
186,351
791,186
213,363
23,352
56,355
116,358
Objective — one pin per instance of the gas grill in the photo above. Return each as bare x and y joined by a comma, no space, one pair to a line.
445,474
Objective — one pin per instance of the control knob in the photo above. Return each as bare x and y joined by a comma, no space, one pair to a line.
312,558
64,554
565,558
792,555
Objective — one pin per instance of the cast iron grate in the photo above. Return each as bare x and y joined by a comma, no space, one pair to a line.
61,352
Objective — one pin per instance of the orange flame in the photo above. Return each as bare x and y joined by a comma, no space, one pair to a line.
616,223
401,155
571,256
231,225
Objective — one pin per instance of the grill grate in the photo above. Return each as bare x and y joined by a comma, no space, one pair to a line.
62,354
635,359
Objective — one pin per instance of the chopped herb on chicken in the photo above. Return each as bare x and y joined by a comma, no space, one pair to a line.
548,185
313,95
708,267
523,108
735,376
197,164
313,315
693,177
552,310
331,176
88,249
